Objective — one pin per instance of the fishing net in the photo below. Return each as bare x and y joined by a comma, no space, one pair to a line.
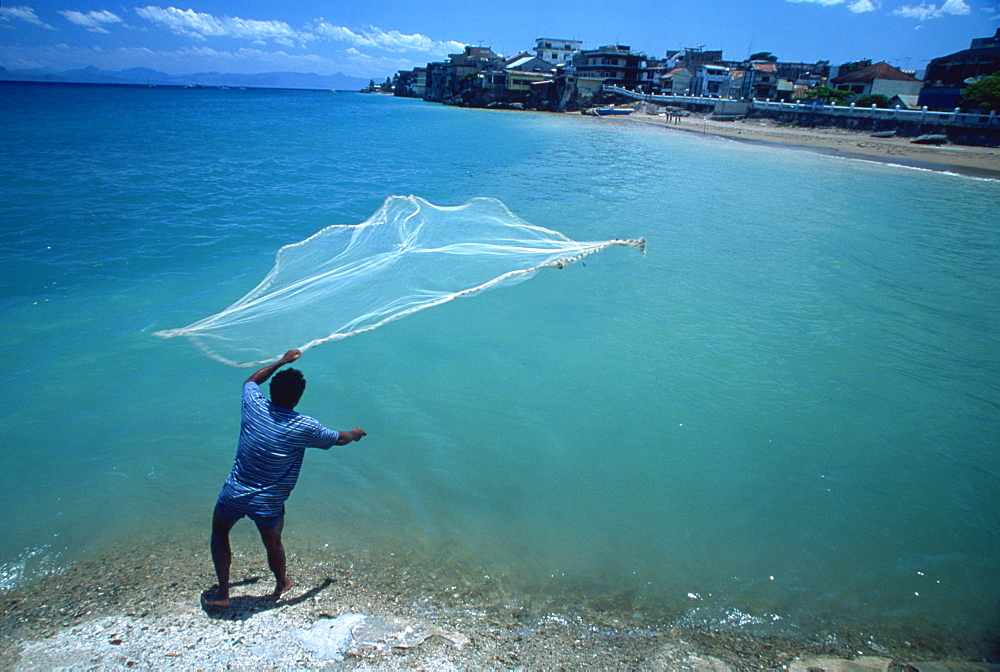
349,279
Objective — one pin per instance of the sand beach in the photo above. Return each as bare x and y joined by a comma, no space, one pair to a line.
974,161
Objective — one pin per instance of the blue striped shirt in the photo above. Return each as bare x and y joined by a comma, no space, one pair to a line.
273,441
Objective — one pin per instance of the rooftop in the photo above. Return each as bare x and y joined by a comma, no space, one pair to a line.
872,72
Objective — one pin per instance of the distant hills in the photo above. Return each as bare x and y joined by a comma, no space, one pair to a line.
145,76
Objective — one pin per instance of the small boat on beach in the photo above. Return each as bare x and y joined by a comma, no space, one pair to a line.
609,111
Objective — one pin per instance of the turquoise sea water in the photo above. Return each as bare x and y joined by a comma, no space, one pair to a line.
785,416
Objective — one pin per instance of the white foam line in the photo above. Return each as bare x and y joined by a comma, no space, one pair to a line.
921,169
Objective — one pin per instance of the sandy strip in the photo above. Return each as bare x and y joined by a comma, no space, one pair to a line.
975,161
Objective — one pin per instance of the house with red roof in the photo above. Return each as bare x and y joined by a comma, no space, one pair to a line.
866,78
760,80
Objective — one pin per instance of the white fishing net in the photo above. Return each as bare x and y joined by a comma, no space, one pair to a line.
349,279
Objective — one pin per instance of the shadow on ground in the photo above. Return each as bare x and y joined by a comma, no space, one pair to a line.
243,607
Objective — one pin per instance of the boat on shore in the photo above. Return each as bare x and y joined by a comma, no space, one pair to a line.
611,111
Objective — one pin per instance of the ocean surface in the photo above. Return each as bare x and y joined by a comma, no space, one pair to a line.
784,417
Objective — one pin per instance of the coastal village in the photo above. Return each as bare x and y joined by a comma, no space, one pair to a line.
562,76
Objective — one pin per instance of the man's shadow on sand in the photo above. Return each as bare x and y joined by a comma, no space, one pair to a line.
244,607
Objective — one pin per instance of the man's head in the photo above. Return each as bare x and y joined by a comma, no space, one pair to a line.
287,387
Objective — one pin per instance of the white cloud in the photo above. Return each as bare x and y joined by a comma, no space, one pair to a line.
202,58
92,21
924,11
861,6
856,6
24,14
392,40
200,26
825,3
956,7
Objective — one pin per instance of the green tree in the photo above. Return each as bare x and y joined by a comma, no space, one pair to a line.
985,92
867,100
763,56
834,96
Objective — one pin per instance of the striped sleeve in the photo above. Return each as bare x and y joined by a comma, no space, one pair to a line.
324,438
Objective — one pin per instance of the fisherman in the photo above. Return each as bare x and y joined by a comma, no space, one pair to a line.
273,441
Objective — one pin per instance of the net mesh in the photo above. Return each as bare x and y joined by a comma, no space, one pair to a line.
350,279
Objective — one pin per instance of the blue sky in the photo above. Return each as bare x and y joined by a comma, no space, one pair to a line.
375,39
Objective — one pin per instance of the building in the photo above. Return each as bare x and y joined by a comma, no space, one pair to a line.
874,79
519,73
712,80
418,83
693,58
556,51
675,81
615,64
787,90
402,84
759,81
810,74
444,80
525,62
521,81
946,76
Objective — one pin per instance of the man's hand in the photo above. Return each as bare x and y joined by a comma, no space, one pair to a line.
353,435
261,375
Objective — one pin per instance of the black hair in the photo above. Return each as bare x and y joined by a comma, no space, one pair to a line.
287,387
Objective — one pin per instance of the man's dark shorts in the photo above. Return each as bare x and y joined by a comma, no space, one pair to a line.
264,523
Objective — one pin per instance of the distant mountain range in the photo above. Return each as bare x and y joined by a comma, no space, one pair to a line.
145,76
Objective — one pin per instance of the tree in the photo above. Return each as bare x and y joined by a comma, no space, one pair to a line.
834,96
763,56
867,100
985,92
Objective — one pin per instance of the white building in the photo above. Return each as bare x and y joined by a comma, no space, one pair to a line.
556,51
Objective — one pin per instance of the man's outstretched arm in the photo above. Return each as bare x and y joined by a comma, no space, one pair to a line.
261,375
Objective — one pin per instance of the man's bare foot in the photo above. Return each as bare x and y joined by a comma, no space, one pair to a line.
282,587
215,599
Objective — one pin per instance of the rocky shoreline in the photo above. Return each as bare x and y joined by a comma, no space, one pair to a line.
140,608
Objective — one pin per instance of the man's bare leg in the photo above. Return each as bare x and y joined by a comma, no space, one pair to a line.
222,558
276,558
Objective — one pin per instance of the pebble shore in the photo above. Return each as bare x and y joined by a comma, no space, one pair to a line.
141,609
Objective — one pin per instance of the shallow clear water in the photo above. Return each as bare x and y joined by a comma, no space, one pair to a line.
788,409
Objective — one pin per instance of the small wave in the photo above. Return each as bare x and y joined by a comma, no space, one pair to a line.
31,564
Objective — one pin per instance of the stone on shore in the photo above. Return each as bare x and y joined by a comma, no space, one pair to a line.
676,657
